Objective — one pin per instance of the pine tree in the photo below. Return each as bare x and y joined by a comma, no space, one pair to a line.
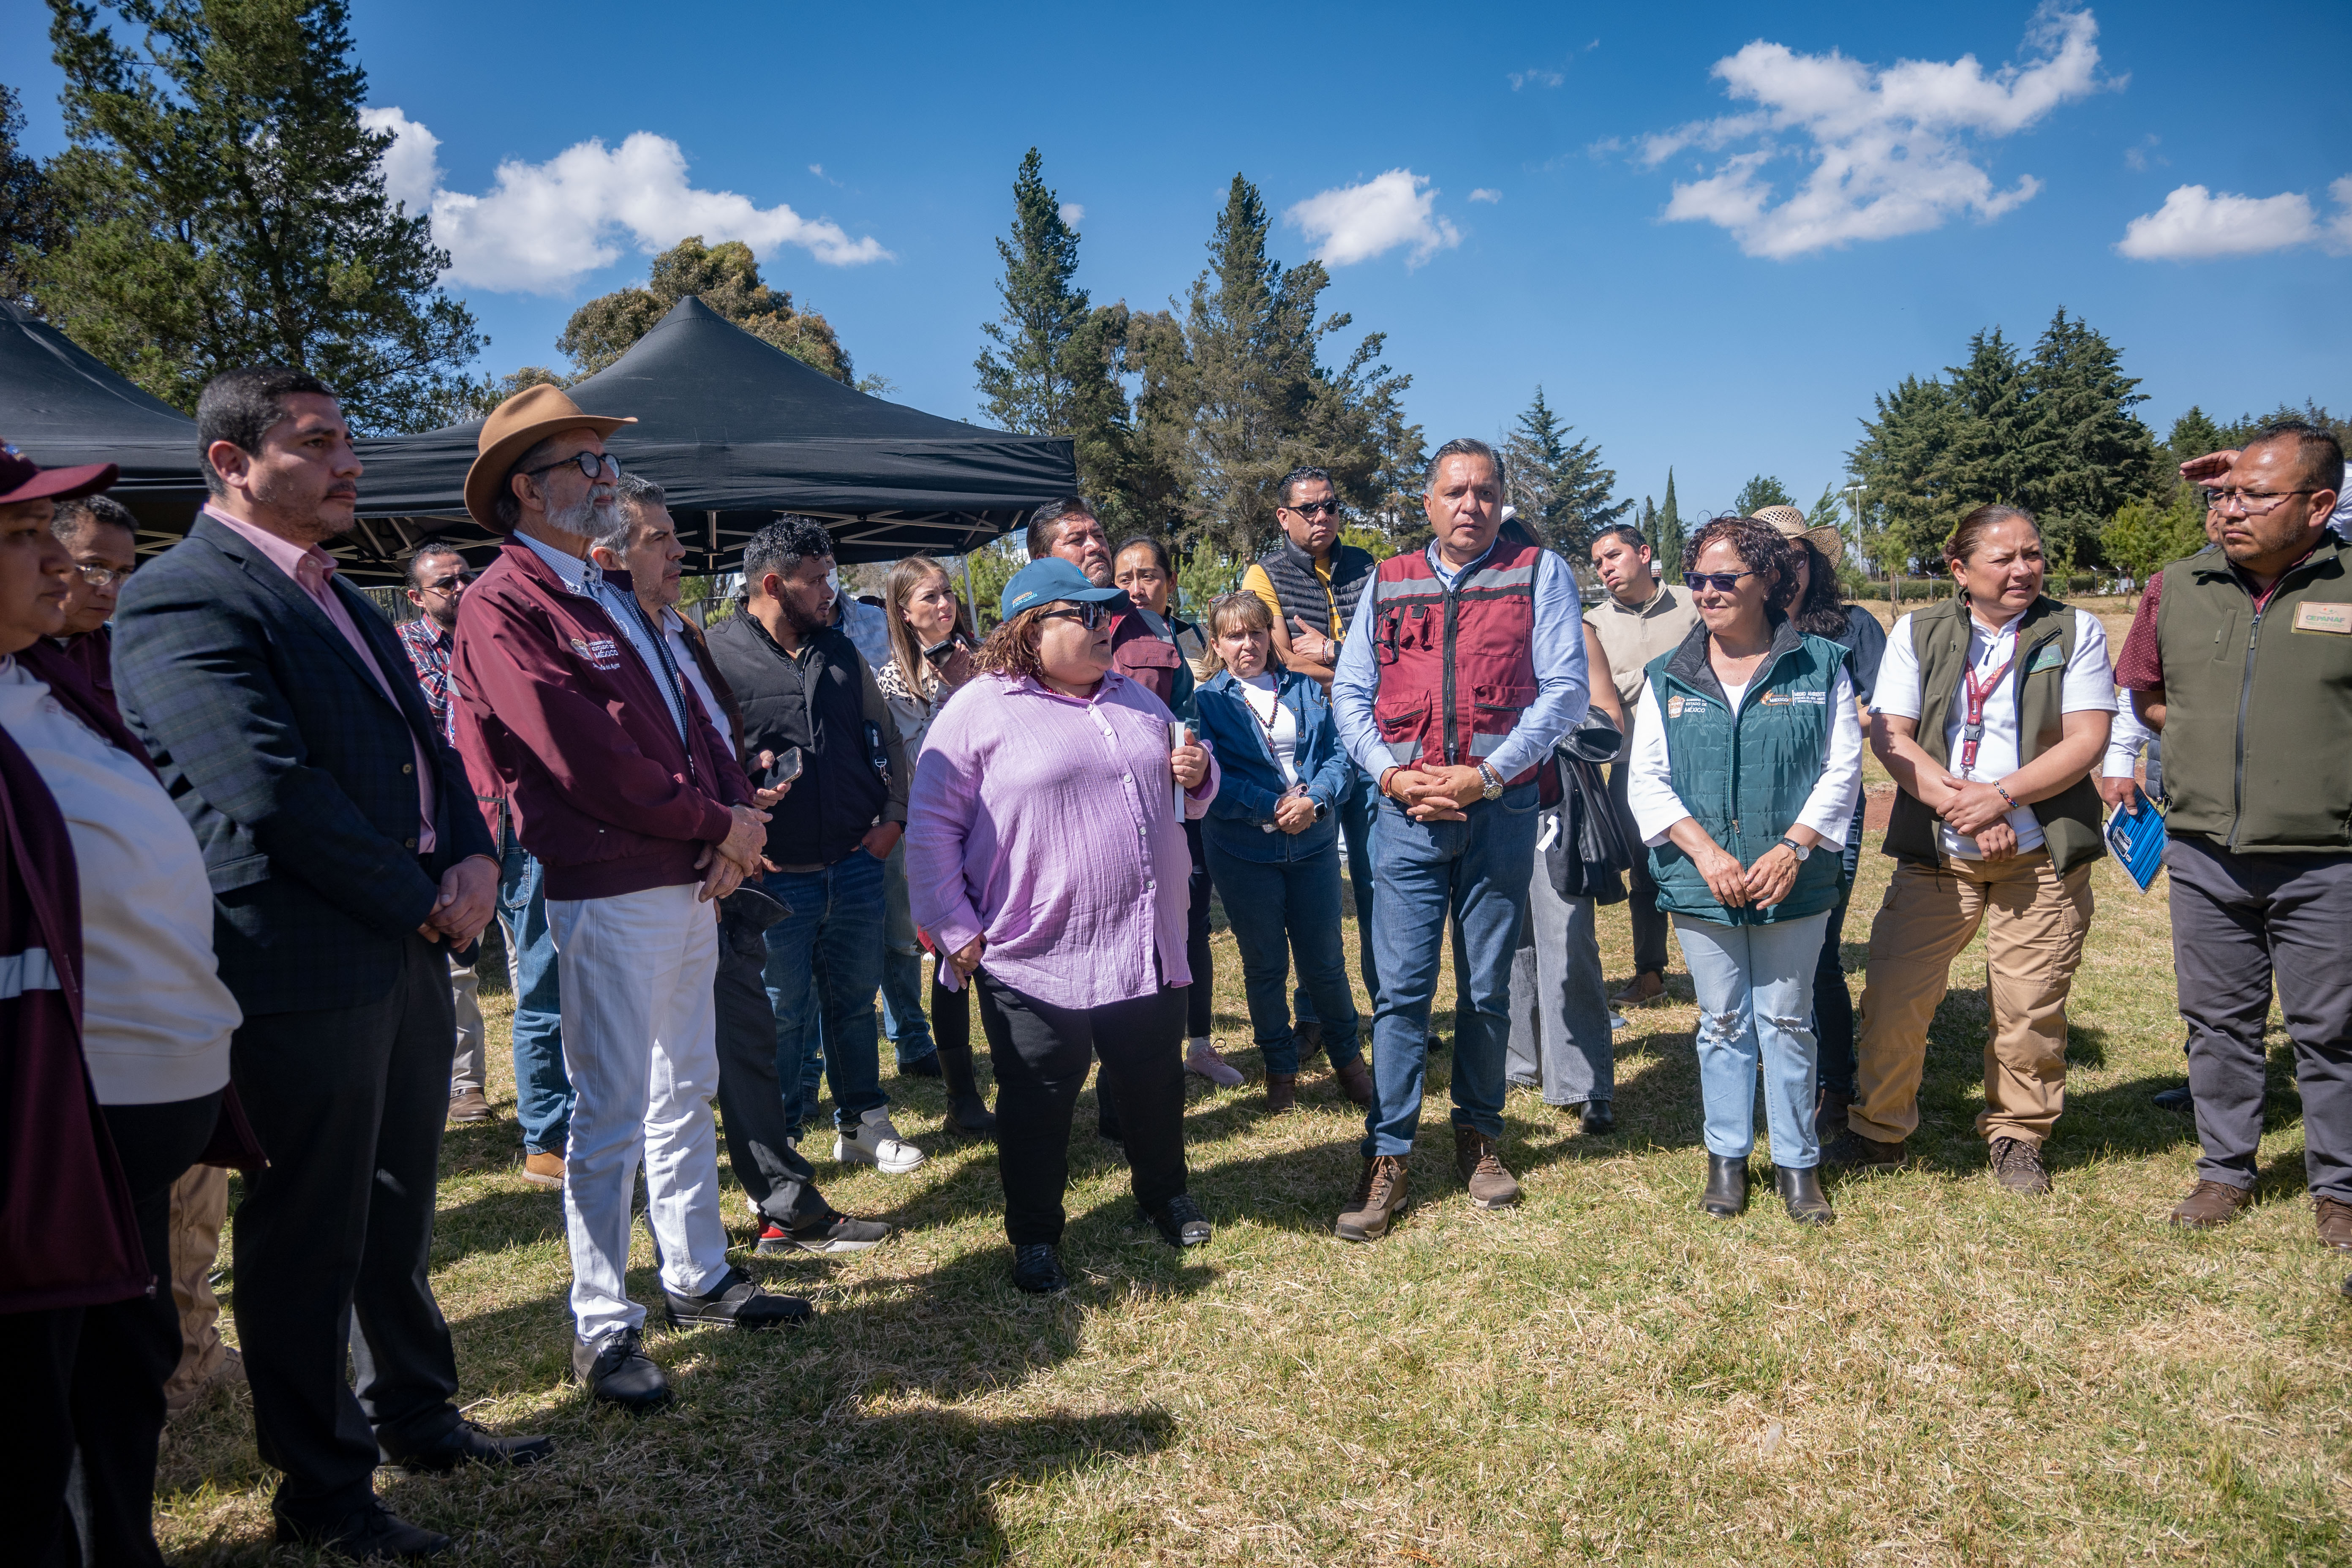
2089,453
1235,396
1670,536
1559,486
1902,462
1057,372
1649,525
30,210
1760,492
227,209
725,277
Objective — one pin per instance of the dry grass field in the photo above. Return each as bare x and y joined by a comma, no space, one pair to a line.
1949,1376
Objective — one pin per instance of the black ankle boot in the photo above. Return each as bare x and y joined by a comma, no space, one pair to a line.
965,1108
1801,1192
1726,1187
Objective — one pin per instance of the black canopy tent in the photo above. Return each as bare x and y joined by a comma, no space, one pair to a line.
736,431
60,406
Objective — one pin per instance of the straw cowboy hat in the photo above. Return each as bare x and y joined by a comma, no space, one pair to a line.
514,427
1790,523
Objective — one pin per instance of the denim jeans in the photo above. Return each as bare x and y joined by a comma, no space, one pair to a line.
825,959
542,1093
1276,907
1755,986
902,969
1475,873
1359,809
1560,1041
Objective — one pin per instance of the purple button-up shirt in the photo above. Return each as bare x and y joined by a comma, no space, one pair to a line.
1047,824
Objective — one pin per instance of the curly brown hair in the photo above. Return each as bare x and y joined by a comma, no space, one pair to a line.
1012,648
1761,549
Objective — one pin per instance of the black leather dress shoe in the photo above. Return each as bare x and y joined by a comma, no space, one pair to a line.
1037,1269
363,1535
618,1371
1726,1187
2173,1098
1801,1191
1180,1222
469,1444
738,1302
1597,1120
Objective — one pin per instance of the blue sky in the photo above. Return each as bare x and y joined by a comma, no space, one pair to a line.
1610,201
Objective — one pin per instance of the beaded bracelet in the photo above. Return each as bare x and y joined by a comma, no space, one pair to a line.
2002,790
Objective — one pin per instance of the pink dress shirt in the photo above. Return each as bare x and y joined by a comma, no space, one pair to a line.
311,567
1049,824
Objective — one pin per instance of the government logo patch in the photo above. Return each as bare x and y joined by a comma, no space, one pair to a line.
603,653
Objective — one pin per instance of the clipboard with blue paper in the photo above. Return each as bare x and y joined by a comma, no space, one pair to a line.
2136,834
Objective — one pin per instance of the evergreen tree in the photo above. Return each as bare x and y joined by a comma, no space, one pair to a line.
1760,492
228,209
1058,370
2088,452
30,217
1559,486
725,277
1235,396
1649,525
1670,536
1829,512
1902,462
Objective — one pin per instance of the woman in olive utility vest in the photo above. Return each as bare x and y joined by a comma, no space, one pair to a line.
1992,713
1747,763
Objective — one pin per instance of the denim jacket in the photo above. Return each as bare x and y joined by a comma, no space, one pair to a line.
1252,783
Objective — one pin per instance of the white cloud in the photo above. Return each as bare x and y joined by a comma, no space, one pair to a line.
1074,213
542,226
1485,194
1541,75
2195,224
1892,152
1355,223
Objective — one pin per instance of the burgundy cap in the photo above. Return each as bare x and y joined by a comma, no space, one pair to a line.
21,479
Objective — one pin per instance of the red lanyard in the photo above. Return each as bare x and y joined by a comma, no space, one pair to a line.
1973,730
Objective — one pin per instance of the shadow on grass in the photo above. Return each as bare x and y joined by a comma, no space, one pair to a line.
813,1446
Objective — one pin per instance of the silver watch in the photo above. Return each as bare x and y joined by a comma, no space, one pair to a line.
1494,789
1799,850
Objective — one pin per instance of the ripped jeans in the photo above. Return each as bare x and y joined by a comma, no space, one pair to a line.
1755,987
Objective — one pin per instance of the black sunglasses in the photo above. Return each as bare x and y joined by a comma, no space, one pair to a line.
1088,614
1721,582
1330,507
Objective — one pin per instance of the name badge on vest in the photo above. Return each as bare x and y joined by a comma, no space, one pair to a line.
2316,617
2049,655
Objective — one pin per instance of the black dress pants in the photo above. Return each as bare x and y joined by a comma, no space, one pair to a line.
1199,997
1649,925
750,1101
1041,1054
334,1240
91,1379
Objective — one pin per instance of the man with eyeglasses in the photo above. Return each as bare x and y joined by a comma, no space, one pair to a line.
2241,658
101,536
572,706
1068,529
1312,582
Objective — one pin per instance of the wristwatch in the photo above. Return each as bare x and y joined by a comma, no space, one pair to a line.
1793,848
1494,789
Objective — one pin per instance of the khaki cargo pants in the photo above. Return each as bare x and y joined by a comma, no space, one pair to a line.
2034,922
199,1209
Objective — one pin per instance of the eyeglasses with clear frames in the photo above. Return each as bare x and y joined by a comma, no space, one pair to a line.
2245,501
99,577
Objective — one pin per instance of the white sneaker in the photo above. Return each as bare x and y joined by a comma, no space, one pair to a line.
1201,1057
877,1142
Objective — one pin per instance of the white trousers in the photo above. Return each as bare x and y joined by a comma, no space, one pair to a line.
470,1063
640,1045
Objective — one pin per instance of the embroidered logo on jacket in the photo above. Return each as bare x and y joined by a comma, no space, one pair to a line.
603,653
1779,699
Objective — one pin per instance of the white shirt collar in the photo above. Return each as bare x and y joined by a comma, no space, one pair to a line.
580,576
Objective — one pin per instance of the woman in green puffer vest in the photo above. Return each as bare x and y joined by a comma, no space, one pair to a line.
1747,763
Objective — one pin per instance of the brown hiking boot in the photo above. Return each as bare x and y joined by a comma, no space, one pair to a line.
1356,1080
2017,1165
2335,1219
2210,1204
543,1170
1380,1198
1491,1187
1281,1092
1850,1150
1646,987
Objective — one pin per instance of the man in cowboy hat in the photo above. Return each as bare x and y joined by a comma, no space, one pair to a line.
345,868
573,709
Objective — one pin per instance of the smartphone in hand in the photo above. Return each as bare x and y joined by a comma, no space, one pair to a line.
786,769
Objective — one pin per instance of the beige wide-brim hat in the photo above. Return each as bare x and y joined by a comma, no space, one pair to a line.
1790,523
514,427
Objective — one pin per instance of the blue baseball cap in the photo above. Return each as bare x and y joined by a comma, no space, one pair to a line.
1043,581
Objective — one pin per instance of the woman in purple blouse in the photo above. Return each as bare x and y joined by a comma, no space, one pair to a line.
1046,861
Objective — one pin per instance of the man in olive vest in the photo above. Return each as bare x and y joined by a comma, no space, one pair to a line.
2242,661
1312,584
1465,665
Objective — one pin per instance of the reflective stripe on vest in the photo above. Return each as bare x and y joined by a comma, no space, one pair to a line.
1456,669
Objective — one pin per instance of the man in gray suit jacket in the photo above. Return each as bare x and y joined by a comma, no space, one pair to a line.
347,864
